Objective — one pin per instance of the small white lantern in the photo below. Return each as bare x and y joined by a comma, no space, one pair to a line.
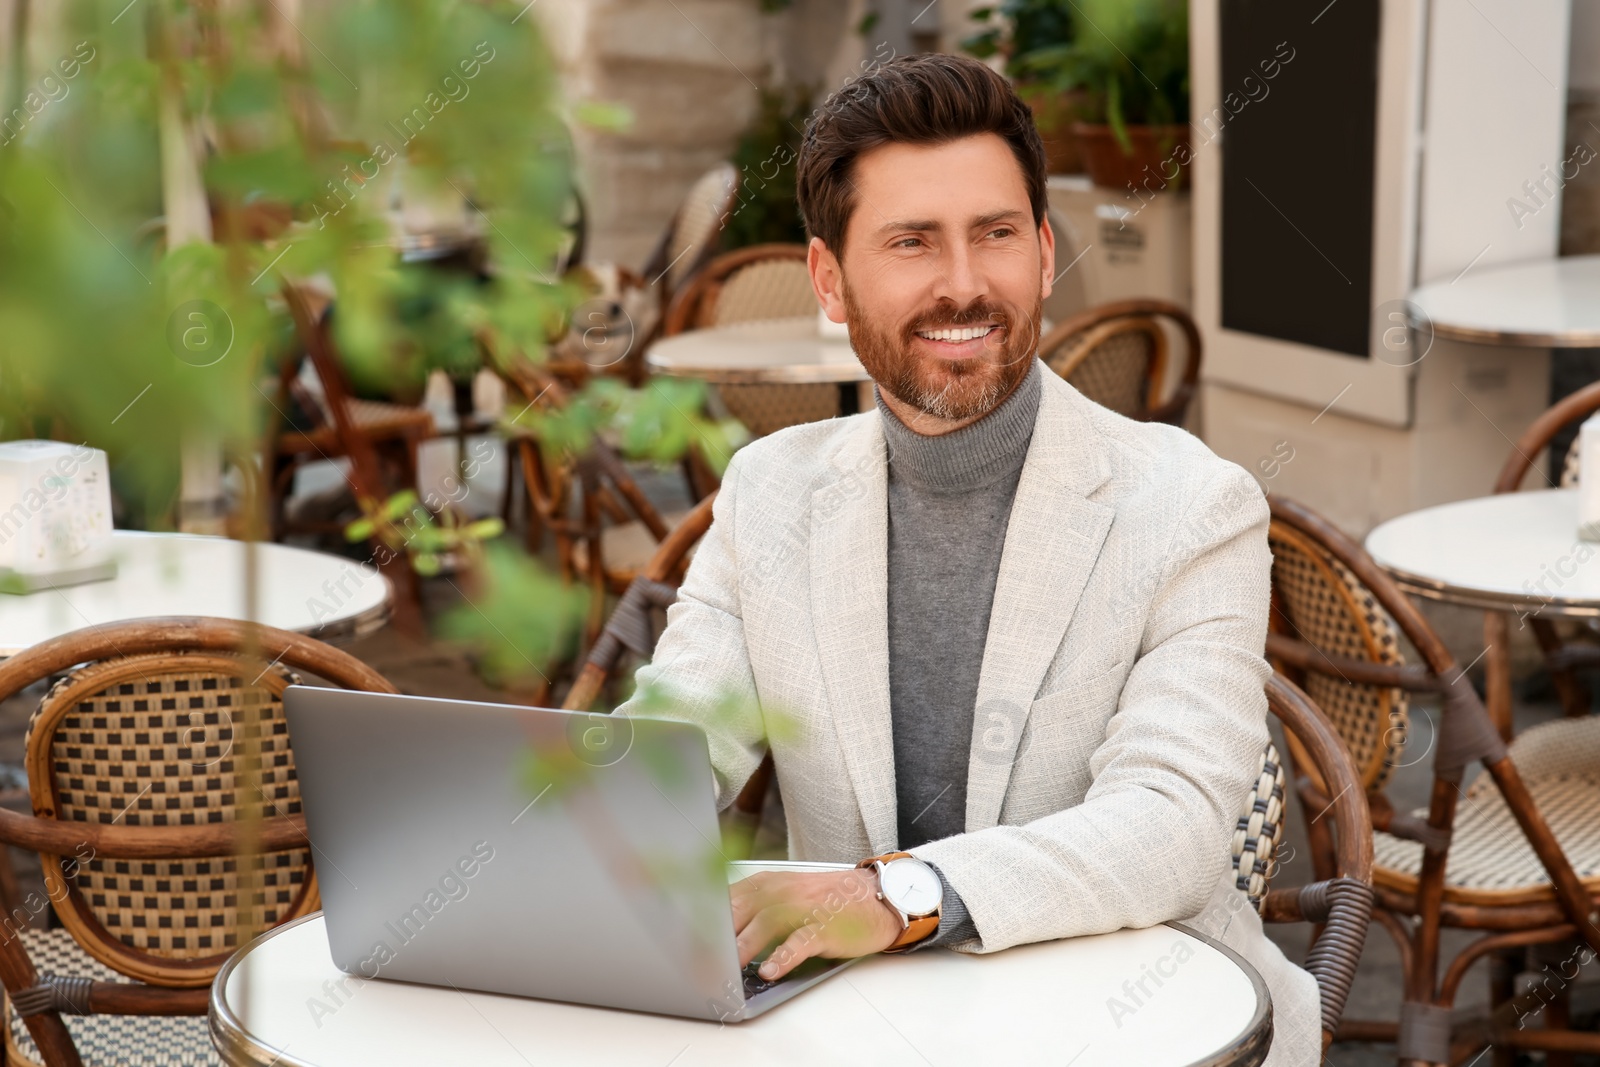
55,515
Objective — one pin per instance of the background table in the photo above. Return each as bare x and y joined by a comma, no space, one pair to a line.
1548,303
184,574
1509,552
770,352
1044,1003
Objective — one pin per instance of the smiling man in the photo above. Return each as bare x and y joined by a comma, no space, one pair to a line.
1016,638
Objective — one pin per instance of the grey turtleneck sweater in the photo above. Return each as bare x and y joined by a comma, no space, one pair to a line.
949,504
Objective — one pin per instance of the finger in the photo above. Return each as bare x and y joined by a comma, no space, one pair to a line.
748,896
798,947
767,928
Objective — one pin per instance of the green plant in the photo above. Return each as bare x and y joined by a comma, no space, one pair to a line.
1131,58
1015,29
765,157
188,159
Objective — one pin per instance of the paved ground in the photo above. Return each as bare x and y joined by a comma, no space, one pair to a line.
439,671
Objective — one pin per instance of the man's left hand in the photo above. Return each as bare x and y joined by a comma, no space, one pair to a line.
834,914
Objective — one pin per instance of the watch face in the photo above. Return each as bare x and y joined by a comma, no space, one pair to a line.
911,886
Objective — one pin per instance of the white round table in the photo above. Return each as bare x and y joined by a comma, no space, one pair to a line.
1547,303
1063,1002
767,352
325,596
1508,552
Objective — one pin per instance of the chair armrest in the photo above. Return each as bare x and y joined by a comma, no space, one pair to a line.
1344,906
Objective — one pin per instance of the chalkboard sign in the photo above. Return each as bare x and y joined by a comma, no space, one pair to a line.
1297,129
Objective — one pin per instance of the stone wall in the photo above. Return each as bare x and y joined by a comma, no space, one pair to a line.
689,71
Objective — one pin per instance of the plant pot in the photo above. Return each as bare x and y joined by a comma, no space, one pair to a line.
1055,115
1159,161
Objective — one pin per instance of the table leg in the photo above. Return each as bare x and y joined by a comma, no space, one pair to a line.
849,398
1497,671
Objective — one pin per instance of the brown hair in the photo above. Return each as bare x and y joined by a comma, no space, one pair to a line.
929,99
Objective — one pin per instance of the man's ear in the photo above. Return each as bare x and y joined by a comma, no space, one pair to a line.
1047,258
827,279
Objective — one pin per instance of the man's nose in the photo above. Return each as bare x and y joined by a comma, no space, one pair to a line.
960,280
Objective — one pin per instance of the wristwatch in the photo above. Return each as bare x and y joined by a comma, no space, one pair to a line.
912,890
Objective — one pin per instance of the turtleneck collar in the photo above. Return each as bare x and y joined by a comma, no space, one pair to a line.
977,454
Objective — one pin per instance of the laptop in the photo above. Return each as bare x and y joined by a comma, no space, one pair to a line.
561,855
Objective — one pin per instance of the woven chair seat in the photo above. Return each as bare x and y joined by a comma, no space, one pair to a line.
106,1040
1490,859
1260,828
375,420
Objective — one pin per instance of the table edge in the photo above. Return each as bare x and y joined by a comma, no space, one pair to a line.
239,1049
1488,600
1515,338
780,374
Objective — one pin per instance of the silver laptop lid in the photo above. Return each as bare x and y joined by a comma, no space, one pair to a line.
517,850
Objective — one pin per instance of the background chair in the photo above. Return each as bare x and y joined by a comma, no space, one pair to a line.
1568,645
1340,905
752,284
1489,857
139,777
1118,355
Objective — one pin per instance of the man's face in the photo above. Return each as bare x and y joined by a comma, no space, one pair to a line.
942,276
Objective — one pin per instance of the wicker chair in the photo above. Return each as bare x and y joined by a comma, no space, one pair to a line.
761,282
1495,864
137,800
1117,355
1568,646
1341,905
370,434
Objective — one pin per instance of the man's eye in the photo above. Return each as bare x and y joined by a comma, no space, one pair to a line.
1004,231
908,242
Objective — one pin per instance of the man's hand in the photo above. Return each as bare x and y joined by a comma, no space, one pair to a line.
834,914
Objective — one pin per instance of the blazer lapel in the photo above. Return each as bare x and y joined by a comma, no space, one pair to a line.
850,609
1053,539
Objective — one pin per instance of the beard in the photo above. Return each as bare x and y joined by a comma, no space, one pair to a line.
946,389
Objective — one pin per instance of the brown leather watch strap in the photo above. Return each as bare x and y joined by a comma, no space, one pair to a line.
917,928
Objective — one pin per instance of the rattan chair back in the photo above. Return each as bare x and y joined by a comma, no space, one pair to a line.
176,725
1119,356
754,284
1317,599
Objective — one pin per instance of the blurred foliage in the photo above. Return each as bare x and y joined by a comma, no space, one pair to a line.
402,524
1015,29
658,422
311,139
767,207
518,618
1130,57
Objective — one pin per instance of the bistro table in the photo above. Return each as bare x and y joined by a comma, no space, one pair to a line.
1511,553
1546,303
328,597
1044,1003
765,352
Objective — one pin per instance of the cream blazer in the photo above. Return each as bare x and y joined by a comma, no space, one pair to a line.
1120,714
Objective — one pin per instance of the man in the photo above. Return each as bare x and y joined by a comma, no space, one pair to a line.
1010,632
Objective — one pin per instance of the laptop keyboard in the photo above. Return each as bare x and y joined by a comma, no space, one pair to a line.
753,982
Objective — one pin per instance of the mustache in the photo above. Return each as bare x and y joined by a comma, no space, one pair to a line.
973,315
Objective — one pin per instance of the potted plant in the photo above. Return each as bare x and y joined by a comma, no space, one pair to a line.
1017,30
1130,58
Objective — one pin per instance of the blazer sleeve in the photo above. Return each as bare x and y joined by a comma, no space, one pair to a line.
1150,841
701,672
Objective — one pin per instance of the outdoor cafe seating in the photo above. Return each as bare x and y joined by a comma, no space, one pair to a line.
403,409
